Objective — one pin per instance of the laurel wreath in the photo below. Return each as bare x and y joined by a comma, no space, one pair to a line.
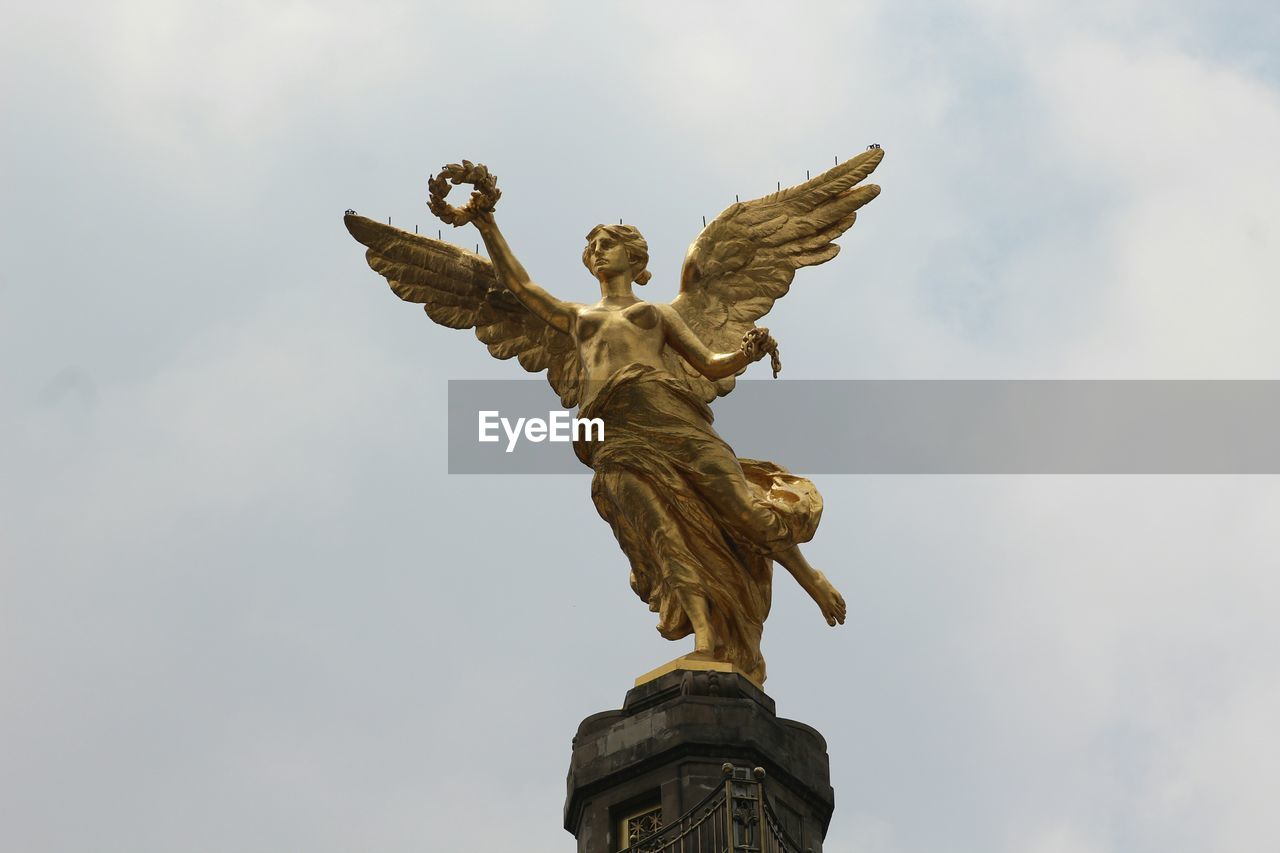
484,196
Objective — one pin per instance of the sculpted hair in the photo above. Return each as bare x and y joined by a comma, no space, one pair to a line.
637,249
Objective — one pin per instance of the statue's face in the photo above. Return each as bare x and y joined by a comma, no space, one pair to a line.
607,255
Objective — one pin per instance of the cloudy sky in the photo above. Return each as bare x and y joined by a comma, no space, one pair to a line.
244,608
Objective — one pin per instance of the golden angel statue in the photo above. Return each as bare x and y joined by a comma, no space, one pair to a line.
700,526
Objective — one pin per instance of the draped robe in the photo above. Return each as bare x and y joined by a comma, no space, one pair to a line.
688,513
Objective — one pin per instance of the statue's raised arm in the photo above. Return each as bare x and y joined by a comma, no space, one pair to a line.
462,290
511,273
479,211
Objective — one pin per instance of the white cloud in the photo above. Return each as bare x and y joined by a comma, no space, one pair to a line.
242,575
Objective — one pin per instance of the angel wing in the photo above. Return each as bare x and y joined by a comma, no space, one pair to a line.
746,258
460,290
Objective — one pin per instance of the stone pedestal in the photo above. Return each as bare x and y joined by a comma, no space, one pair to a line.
684,745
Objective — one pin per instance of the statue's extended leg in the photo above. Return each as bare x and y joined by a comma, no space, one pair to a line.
721,481
814,582
695,605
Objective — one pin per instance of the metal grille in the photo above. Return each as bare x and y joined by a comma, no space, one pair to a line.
640,826
735,818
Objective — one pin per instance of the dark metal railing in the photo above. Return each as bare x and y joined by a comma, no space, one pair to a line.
736,817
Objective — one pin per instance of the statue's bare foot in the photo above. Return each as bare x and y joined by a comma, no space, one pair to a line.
700,654
830,601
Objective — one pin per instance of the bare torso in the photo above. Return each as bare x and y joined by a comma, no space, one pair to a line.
613,336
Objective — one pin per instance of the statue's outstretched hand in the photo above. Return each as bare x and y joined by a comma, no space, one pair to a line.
757,343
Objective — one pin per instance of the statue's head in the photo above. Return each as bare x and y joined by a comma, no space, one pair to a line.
617,249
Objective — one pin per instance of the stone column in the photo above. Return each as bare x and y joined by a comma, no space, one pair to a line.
641,769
